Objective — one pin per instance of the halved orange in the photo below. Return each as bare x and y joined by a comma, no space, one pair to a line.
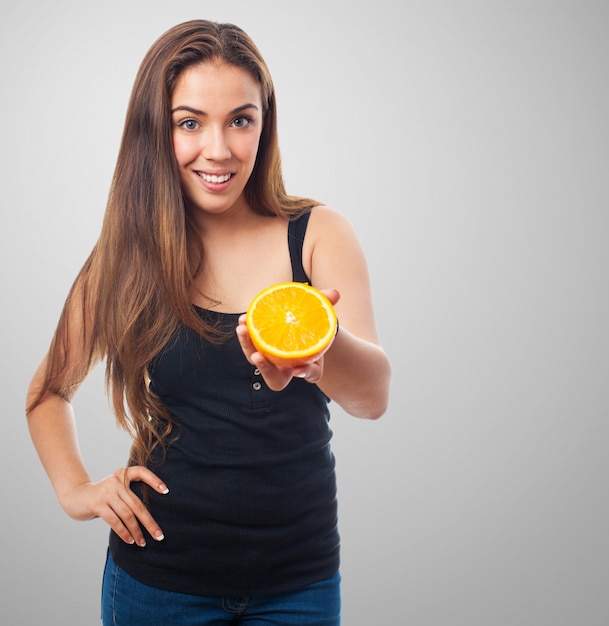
291,324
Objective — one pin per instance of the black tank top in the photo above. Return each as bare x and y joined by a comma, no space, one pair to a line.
252,502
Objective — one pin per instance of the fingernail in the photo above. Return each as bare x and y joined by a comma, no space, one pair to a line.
159,536
163,488
142,543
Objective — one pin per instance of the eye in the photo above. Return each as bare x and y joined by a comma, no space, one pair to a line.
242,121
189,124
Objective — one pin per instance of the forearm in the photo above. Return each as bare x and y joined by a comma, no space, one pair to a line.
53,432
357,376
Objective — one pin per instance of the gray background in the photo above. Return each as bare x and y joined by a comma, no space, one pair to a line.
468,142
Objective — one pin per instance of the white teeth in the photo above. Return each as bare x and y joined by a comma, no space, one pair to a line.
213,178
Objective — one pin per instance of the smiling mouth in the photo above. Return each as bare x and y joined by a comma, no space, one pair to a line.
213,178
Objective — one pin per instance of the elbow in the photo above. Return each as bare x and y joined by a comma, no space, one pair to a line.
366,397
376,400
378,412
370,406
373,412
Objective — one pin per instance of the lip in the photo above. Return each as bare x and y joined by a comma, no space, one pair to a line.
218,183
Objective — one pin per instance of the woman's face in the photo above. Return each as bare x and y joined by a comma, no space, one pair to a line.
217,117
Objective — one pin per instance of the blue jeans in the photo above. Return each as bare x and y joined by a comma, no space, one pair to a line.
127,602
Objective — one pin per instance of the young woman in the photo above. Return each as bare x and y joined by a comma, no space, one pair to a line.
226,510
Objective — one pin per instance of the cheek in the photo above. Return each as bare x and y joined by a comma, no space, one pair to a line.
249,150
183,150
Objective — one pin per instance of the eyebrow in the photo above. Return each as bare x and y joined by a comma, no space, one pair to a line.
194,111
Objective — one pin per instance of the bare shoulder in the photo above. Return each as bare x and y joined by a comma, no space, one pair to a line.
329,226
325,216
334,259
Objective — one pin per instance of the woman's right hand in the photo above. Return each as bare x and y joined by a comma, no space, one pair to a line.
112,500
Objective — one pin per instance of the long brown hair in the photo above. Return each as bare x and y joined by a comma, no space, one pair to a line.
133,291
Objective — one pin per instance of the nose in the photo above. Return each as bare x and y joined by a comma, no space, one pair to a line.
215,145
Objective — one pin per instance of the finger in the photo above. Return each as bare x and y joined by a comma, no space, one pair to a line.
136,514
275,377
130,510
115,521
311,373
143,474
332,294
245,342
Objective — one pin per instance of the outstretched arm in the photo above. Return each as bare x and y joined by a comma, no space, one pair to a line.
355,371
